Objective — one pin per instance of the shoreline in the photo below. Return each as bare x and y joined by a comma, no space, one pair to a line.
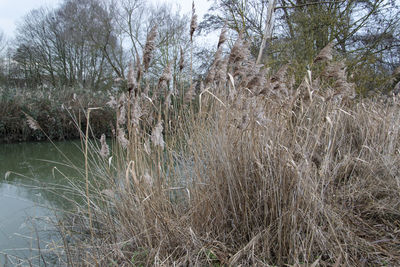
55,114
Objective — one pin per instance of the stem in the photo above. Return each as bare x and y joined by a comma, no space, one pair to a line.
87,173
191,63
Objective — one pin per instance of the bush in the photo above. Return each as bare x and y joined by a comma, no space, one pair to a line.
56,112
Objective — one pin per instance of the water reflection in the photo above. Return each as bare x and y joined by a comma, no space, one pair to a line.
33,178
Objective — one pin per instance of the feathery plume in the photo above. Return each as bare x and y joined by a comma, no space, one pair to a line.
193,23
121,137
222,37
165,77
147,178
335,70
221,70
105,150
136,113
149,47
189,94
32,123
121,120
131,79
121,116
280,74
112,103
214,67
239,51
181,60
157,136
257,82
210,75
325,53
138,68
168,98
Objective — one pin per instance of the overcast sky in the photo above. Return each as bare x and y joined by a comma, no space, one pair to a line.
11,11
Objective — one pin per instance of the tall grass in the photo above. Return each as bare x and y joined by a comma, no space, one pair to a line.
256,170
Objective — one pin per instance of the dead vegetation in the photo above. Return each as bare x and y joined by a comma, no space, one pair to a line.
255,170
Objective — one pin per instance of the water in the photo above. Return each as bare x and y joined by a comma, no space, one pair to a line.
32,191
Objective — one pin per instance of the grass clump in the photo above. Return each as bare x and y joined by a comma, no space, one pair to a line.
257,170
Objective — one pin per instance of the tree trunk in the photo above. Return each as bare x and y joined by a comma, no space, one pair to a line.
269,25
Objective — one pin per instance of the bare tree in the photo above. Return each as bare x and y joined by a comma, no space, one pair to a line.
69,45
91,42
135,19
3,41
2,61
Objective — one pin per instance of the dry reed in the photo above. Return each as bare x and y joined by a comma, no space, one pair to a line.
254,178
149,47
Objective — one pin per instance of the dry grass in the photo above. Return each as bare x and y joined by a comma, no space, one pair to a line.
268,173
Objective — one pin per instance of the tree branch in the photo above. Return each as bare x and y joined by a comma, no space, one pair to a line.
310,4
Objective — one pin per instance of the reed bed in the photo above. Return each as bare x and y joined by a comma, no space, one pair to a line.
247,168
53,110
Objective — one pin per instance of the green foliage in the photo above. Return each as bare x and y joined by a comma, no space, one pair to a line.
365,34
212,258
139,257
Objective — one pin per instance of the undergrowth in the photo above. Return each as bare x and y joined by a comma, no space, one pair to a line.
53,109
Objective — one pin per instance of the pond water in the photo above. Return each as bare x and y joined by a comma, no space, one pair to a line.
33,182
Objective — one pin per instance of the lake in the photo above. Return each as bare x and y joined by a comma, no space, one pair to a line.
34,178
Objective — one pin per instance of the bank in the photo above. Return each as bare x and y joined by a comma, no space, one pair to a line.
58,112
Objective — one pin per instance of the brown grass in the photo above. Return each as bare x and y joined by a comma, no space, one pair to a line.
257,177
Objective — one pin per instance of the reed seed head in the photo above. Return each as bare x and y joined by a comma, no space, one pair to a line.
131,79
157,136
166,77
222,37
121,116
32,123
181,60
193,22
149,47
325,53
136,113
105,150
138,68
189,94
121,137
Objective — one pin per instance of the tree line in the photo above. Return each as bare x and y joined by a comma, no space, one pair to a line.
365,33
91,43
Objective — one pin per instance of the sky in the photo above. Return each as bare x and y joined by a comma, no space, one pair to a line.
12,11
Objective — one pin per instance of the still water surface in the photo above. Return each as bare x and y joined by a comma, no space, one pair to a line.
32,195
